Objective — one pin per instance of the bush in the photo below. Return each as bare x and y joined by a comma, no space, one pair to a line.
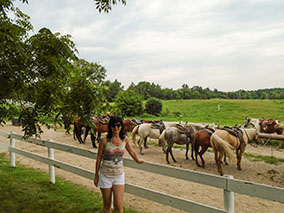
153,106
128,103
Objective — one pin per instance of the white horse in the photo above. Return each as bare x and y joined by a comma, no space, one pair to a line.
146,130
254,122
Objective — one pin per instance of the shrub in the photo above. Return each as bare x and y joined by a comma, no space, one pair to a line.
128,103
153,106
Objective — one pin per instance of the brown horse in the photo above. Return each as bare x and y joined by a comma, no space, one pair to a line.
201,138
223,142
77,131
128,125
99,126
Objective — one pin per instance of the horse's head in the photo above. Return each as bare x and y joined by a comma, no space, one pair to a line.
162,127
252,135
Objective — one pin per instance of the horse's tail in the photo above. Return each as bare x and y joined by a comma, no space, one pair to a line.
133,134
162,140
194,142
220,144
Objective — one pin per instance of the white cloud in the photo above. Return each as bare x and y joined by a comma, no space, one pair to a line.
228,45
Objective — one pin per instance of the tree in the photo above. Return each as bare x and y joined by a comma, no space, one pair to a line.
40,76
128,103
113,89
153,106
105,5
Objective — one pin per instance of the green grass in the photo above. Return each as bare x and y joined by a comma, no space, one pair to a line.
266,159
28,190
231,111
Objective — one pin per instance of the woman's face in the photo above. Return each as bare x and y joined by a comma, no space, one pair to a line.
116,127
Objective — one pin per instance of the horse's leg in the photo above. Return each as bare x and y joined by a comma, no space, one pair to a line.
221,154
78,134
186,152
218,163
239,155
145,143
167,155
224,159
196,148
171,152
203,150
86,133
192,151
75,131
140,147
93,138
99,136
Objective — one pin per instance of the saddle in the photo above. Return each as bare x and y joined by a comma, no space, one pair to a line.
235,131
210,131
267,126
155,125
180,128
137,122
102,120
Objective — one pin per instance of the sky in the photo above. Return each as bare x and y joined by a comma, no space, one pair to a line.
220,44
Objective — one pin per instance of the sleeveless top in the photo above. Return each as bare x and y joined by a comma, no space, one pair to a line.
112,160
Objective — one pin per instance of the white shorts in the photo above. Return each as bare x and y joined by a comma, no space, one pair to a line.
108,182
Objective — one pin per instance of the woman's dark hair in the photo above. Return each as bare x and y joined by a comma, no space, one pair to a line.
113,120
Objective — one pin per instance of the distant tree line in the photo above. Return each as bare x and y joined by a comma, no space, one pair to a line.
147,90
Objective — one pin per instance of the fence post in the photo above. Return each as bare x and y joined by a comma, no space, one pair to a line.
51,167
229,203
12,154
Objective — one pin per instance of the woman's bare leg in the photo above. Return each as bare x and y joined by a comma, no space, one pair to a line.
107,199
118,192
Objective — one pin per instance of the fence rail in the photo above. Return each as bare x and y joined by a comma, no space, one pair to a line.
228,184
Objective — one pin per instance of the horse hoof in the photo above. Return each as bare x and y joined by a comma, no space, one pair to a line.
146,147
239,168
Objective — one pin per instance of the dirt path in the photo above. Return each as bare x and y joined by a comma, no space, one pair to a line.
258,172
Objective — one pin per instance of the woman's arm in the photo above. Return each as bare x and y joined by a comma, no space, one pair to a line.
101,148
131,151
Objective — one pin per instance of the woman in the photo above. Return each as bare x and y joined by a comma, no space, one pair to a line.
109,165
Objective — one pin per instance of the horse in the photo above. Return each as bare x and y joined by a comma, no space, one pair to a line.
128,125
254,122
223,142
201,138
145,130
99,126
192,129
280,128
175,134
77,131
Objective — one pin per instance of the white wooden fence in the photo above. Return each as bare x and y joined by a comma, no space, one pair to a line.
228,184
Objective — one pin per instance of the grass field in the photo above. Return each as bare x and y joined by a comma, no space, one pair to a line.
28,190
230,112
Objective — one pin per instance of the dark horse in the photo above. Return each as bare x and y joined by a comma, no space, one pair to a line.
201,138
101,126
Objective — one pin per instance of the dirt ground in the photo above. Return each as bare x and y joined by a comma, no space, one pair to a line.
258,172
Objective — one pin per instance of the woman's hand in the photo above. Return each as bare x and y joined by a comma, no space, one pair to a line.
96,180
140,161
